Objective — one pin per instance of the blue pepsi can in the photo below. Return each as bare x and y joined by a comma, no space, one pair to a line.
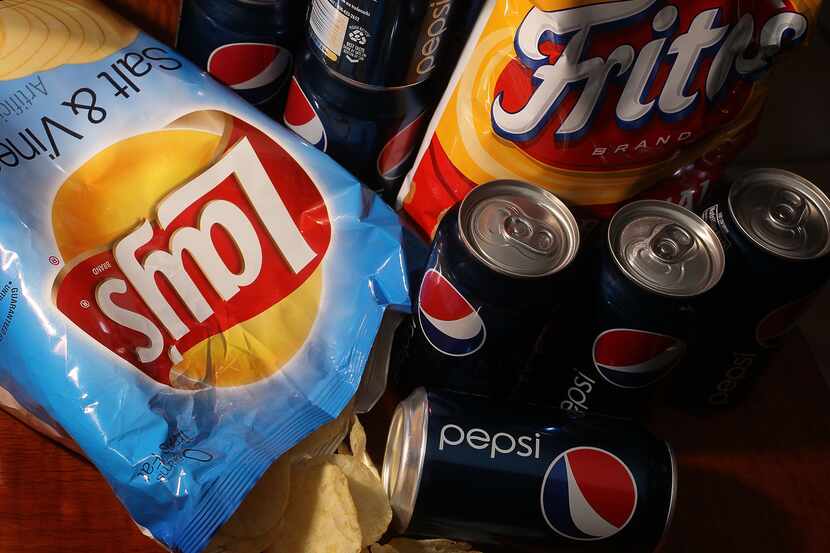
245,44
465,15
498,268
638,317
775,228
525,477
380,43
372,133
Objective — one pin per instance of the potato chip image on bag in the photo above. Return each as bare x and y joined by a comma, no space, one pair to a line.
195,291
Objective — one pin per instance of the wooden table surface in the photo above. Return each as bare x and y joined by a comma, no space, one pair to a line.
751,480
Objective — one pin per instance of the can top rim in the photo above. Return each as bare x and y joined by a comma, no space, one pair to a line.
403,460
553,205
694,224
818,198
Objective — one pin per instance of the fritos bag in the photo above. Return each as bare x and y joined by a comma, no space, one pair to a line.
602,100
187,289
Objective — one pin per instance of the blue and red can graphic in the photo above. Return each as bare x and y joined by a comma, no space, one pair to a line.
253,69
372,133
449,322
588,493
246,46
632,358
301,117
544,479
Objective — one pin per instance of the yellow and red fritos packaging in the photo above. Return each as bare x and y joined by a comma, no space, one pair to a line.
602,101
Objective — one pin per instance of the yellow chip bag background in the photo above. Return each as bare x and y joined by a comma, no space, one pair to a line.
37,35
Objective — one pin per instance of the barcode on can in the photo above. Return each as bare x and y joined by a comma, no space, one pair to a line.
329,27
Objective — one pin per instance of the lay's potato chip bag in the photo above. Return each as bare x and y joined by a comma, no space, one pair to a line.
602,100
187,290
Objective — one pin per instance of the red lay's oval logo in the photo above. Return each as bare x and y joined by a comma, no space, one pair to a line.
193,252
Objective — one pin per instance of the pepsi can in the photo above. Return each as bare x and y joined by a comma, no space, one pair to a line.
372,133
498,267
380,43
775,228
466,468
245,44
655,263
465,15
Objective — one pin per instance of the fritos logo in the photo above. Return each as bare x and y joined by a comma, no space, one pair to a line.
601,101
193,252
626,73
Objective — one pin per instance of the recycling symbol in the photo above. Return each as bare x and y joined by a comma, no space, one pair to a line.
358,36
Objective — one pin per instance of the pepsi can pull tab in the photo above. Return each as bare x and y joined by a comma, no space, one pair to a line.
245,44
380,43
497,261
657,260
775,228
555,480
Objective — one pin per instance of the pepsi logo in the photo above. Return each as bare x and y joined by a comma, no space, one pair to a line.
780,321
394,155
588,494
449,323
301,117
252,69
630,358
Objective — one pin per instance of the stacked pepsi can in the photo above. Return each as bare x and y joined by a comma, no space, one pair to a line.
570,336
508,306
539,340
248,45
366,74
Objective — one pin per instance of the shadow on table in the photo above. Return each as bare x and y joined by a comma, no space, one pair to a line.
786,411
716,512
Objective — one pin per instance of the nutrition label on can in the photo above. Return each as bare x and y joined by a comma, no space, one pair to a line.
328,25
379,43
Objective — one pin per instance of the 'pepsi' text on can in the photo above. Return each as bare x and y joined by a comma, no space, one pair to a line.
372,133
656,260
775,229
499,262
466,468
245,44
380,43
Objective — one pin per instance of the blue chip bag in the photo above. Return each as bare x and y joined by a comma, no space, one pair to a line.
187,289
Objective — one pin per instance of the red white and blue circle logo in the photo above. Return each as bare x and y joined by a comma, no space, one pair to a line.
630,358
392,160
301,117
254,70
588,494
449,323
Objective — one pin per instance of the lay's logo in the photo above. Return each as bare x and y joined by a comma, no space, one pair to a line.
193,252
626,72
